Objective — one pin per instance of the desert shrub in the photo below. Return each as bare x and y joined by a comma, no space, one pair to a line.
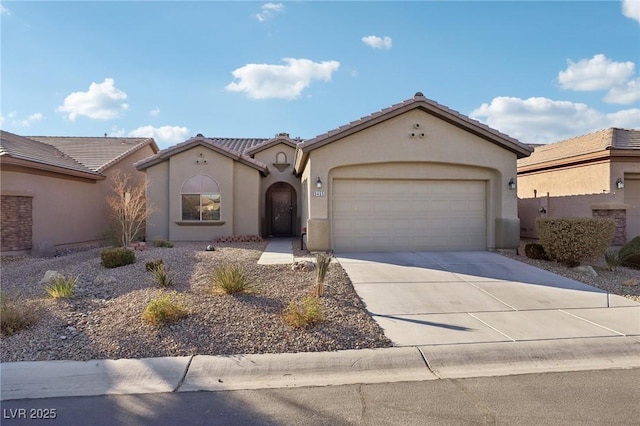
630,253
161,275
164,309
574,240
15,315
535,251
115,257
231,279
153,264
61,286
162,243
304,314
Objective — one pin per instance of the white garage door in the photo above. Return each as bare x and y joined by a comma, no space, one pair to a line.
389,215
632,198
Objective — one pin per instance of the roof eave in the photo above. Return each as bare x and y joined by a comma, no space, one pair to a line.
9,160
149,142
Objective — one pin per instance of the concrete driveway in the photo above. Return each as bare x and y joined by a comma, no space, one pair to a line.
439,298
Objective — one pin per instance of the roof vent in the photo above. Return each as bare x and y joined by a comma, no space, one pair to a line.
199,135
418,95
286,135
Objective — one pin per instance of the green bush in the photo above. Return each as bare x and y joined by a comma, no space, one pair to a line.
535,251
61,286
163,309
115,257
574,240
153,264
15,315
304,314
630,253
162,243
231,279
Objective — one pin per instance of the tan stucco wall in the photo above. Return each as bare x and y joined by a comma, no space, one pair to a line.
571,191
387,150
239,209
68,211
268,156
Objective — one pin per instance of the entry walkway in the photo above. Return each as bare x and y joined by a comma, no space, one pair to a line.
278,252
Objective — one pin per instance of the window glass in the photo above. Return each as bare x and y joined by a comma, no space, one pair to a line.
200,199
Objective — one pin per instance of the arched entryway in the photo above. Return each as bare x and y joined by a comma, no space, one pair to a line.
281,210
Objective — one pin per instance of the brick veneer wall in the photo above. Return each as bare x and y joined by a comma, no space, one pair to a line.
16,222
620,217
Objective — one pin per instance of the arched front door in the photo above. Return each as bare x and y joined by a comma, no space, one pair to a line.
281,210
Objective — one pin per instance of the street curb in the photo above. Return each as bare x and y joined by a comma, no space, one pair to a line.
526,357
217,373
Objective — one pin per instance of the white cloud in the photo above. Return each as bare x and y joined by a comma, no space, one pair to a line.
4,11
264,81
543,120
268,10
103,101
169,134
154,112
117,132
627,93
597,73
378,42
631,9
12,118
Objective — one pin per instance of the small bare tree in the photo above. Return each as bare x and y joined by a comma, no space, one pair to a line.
129,207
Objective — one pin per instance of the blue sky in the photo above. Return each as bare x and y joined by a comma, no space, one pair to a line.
538,71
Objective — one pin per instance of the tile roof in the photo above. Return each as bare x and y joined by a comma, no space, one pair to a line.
39,153
602,140
428,105
97,153
221,145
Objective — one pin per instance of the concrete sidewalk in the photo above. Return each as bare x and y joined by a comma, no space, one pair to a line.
279,251
50,379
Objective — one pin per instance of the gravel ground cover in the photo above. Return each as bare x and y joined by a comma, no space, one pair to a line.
104,320
613,282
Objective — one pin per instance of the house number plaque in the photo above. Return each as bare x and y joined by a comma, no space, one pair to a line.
319,194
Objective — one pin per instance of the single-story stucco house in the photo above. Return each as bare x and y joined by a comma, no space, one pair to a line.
594,175
414,176
54,189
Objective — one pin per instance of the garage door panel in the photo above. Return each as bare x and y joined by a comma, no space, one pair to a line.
632,199
383,215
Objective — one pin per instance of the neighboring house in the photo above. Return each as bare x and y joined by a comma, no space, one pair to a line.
591,175
54,189
414,176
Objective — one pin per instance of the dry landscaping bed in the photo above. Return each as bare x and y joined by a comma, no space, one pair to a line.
103,320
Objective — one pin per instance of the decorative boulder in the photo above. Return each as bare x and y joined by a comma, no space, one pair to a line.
48,276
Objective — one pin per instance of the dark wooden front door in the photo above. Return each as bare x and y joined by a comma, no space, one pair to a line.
281,209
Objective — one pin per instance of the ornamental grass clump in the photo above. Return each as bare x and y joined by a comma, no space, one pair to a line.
15,315
150,265
574,240
162,243
161,275
61,286
304,314
231,279
164,309
630,253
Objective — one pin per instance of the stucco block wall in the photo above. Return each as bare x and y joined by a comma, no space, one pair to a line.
387,150
17,222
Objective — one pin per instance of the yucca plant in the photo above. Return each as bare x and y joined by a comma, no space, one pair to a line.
161,275
322,265
305,313
613,259
163,309
61,286
231,279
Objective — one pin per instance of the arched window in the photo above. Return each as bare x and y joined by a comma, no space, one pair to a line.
200,199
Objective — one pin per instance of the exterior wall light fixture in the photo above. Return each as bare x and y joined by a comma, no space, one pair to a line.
319,183
512,184
620,183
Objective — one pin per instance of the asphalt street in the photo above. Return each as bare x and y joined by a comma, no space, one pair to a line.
608,397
